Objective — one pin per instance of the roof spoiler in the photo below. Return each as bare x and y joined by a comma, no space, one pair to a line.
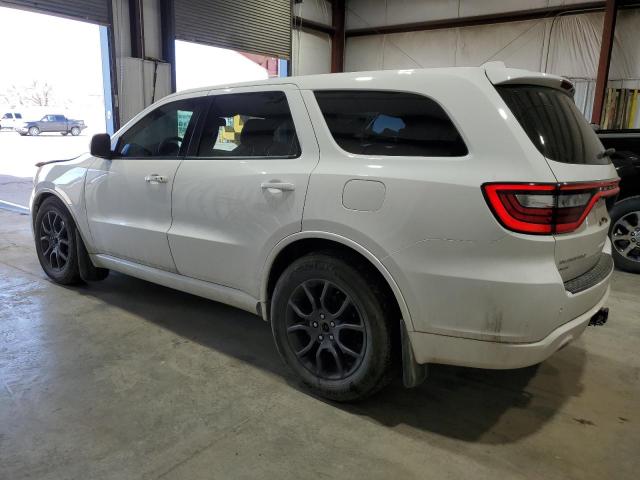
499,74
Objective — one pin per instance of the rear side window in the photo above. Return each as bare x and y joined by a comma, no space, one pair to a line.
389,123
256,124
554,124
18,115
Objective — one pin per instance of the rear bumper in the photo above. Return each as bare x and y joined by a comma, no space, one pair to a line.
433,348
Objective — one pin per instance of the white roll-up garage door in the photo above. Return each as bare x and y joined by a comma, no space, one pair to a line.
254,26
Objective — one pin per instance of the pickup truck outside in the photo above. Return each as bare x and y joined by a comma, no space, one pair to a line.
51,123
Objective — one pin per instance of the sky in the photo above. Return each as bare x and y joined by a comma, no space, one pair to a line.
201,65
65,53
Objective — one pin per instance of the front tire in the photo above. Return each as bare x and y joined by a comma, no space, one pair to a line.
75,131
55,236
331,327
625,234
34,131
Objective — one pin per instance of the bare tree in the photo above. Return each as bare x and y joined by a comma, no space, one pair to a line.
37,93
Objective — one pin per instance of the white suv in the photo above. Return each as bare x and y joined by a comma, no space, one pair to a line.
378,219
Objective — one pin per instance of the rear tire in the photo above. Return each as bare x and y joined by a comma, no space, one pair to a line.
55,237
34,131
331,326
75,131
625,234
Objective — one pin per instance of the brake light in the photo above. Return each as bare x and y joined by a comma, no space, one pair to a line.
545,208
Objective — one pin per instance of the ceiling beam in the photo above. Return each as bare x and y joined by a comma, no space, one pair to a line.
477,20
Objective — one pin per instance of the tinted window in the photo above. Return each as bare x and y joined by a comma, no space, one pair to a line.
161,132
6,116
389,123
249,125
18,115
553,123
60,118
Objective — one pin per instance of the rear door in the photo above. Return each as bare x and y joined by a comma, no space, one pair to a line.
242,187
574,154
60,124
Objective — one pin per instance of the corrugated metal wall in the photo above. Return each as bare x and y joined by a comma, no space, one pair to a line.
251,25
94,11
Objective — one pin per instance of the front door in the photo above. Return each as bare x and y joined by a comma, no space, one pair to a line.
129,197
241,188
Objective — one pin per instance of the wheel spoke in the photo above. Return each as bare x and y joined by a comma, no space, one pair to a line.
332,350
63,255
628,249
343,307
58,221
64,242
297,310
626,237
325,289
46,220
310,296
626,225
344,349
51,256
48,250
299,327
304,350
319,358
350,326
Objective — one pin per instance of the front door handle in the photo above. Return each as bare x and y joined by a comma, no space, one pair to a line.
280,186
154,178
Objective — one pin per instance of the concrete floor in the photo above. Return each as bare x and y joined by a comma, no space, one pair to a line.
124,379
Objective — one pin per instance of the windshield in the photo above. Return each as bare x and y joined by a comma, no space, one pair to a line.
554,124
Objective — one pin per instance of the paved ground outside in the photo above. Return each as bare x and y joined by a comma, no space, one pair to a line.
18,156
124,379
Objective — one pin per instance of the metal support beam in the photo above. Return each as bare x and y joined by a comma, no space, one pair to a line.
608,30
168,29
532,14
338,36
136,27
115,98
304,24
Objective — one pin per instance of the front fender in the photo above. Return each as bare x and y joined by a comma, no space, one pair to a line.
66,182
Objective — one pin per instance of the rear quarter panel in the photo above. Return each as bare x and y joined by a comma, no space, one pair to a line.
435,206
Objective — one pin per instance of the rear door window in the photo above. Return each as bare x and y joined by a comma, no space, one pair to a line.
553,123
253,124
389,123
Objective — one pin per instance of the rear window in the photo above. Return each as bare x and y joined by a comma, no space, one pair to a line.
553,123
389,123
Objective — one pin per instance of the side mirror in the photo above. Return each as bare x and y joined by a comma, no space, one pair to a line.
101,145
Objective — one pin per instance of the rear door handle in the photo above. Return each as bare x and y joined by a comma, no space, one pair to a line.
155,178
281,186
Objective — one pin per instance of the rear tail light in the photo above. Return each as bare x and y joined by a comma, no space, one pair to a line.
545,208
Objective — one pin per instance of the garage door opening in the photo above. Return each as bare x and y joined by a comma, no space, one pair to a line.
200,65
54,82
